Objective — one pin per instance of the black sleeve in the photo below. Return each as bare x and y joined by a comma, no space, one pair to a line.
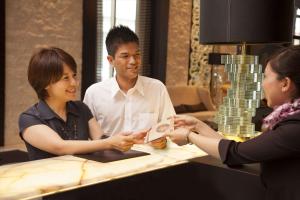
26,120
282,142
84,109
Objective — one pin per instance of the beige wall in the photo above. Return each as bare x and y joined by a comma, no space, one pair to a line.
31,24
180,13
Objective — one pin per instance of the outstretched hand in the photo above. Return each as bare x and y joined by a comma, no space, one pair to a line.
179,136
185,121
139,137
121,142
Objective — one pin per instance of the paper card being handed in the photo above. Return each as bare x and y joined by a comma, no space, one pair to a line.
159,130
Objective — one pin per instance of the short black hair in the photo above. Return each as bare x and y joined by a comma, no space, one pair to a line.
46,66
286,63
117,36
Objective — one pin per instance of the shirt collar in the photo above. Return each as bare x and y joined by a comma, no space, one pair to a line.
139,86
115,88
47,113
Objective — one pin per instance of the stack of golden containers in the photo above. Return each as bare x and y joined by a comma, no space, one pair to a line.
234,117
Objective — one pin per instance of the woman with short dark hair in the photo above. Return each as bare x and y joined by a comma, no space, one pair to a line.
57,124
278,147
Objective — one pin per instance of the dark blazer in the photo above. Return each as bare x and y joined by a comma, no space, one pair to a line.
278,151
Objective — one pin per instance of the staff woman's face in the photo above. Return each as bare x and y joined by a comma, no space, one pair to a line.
273,88
64,89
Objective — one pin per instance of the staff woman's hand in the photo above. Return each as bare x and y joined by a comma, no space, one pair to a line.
185,121
179,136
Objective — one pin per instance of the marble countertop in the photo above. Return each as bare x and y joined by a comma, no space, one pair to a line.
33,179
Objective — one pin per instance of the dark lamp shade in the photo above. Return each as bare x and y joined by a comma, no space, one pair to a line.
250,21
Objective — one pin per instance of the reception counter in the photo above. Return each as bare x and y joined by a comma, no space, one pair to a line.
173,173
29,180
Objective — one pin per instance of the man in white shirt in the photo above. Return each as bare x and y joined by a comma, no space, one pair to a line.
128,101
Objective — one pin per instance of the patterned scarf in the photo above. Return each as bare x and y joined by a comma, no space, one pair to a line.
280,113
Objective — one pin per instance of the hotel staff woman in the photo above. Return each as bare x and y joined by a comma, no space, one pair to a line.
57,124
278,147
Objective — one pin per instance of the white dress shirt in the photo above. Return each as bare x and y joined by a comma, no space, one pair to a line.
144,105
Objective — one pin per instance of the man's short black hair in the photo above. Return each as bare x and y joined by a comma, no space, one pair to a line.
117,36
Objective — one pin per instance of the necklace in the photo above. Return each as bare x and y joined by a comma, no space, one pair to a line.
70,130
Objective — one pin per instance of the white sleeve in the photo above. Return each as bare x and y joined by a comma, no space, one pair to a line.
166,108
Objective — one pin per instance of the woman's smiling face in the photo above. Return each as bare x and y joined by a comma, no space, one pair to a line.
65,88
273,88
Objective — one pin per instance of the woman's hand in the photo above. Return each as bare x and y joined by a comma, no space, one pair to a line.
121,142
179,136
185,121
139,137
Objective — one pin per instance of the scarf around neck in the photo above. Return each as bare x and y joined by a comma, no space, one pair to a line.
280,113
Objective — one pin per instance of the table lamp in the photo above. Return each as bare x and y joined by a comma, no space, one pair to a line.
244,22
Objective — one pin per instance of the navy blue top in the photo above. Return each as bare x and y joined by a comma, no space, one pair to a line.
74,128
278,151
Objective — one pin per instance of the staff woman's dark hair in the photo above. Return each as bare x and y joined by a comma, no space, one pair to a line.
286,63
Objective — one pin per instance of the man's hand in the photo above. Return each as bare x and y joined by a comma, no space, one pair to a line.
159,143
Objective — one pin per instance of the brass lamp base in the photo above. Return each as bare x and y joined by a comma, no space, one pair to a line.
239,138
234,117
